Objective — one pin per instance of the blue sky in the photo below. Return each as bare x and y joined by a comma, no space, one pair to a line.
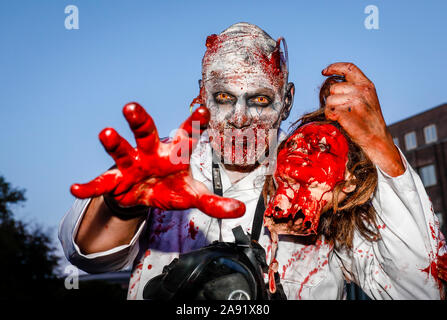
59,87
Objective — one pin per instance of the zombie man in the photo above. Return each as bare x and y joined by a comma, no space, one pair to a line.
245,95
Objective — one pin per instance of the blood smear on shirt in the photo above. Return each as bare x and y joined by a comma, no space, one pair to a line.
192,230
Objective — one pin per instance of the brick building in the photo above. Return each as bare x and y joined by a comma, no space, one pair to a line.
422,138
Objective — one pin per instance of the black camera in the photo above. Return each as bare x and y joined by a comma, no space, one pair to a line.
219,271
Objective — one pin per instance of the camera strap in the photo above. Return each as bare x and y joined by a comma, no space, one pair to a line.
239,234
217,188
258,219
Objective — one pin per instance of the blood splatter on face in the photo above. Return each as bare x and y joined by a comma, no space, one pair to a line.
244,78
312,161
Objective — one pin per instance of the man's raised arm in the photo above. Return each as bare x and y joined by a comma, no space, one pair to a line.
153,174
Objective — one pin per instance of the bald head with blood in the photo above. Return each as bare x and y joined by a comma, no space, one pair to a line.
244,85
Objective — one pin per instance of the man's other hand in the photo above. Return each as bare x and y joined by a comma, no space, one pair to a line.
355,106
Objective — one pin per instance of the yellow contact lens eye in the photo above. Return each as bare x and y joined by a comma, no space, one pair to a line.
261,100
223,96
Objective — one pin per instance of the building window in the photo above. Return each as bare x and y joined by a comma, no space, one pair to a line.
440,219
428,175
430,133
410,140
396,141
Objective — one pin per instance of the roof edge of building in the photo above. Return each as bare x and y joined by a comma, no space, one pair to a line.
418,114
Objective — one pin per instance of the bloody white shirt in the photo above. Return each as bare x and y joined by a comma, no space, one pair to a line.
395,267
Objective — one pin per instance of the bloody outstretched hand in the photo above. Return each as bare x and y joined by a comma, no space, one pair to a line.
147,175
355,105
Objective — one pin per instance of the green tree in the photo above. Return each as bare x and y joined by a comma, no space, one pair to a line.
28,258
8,196
29,263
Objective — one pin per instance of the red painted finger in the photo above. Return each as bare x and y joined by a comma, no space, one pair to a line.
193,127
142,126
349,70
117,147
102,184
219,207
197,122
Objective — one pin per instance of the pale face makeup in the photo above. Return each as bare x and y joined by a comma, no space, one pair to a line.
245,99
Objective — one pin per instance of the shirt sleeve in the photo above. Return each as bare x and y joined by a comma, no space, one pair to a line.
400,264
111,260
